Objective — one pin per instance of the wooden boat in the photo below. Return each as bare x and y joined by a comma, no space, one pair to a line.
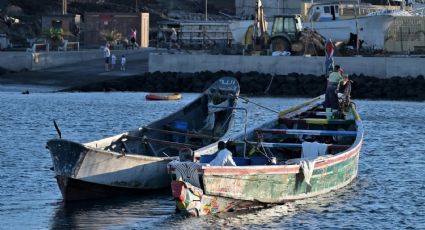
299,154
159,97
136,161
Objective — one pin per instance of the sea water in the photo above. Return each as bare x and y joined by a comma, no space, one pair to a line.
389,192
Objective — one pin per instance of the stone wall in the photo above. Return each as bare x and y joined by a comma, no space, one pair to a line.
254,83
379,67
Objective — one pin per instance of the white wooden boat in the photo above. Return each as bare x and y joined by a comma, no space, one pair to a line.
136,161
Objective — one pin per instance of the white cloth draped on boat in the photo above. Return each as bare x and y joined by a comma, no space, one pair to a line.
310,152
307,167
212,109
219,107
187,171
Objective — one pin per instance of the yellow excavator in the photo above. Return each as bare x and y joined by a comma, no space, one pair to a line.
287,34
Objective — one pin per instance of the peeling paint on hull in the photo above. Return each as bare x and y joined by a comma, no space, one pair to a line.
87,173
225,188
73,190
137,159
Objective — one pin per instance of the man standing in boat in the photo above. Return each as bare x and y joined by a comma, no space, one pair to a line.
329,62
224,156
331,97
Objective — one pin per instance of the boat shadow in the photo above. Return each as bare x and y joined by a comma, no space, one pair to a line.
274,213
111,212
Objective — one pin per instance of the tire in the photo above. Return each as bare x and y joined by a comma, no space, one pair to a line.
280,44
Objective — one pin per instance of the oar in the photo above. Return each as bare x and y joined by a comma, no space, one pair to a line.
57,129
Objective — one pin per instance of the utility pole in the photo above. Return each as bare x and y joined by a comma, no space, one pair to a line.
206,10
137,6
64,7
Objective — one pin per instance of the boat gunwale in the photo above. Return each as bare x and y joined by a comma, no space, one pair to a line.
352,151
116,154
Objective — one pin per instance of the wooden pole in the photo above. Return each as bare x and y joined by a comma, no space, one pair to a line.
206,10
64,7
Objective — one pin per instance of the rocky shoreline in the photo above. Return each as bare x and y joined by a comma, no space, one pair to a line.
254,83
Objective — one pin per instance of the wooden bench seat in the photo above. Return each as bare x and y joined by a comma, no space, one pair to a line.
171,143
187,134
297,145
316,121
308,132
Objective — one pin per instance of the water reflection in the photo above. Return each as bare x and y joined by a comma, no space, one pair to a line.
388,194
108,213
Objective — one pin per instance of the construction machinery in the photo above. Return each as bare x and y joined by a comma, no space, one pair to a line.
287,34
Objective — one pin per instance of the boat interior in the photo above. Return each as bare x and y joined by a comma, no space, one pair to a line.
311,134
199,123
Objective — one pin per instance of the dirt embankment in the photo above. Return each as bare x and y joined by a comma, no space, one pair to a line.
254,83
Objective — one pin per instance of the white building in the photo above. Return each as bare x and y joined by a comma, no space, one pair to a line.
246,8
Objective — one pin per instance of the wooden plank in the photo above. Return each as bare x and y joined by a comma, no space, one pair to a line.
181,133
317,121
296,145
170,143
308,132
295,108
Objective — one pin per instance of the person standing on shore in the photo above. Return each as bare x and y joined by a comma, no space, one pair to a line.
113,61
106,54
173,39
123,61
133,36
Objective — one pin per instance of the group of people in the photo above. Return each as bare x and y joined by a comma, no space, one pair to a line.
111,59
337,81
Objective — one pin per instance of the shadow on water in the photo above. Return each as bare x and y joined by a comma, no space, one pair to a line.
112,212
299,213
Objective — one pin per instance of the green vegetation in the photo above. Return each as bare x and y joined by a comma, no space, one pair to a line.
111,37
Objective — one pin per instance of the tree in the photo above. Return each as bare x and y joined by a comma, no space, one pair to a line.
54,35
111,37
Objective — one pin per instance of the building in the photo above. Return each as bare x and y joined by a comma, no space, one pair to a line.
95,23
246,9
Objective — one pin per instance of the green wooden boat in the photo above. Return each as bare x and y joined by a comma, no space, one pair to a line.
302,153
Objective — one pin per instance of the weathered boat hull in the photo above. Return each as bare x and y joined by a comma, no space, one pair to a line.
74,190
225,188
137,160
238,189
85,173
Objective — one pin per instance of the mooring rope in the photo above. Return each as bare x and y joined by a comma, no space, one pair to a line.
261,106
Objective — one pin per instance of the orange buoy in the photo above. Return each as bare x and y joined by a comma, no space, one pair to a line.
159,96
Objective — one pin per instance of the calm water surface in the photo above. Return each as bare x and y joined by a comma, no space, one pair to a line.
388,194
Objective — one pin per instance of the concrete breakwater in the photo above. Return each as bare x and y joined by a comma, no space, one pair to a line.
380,67
254,83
